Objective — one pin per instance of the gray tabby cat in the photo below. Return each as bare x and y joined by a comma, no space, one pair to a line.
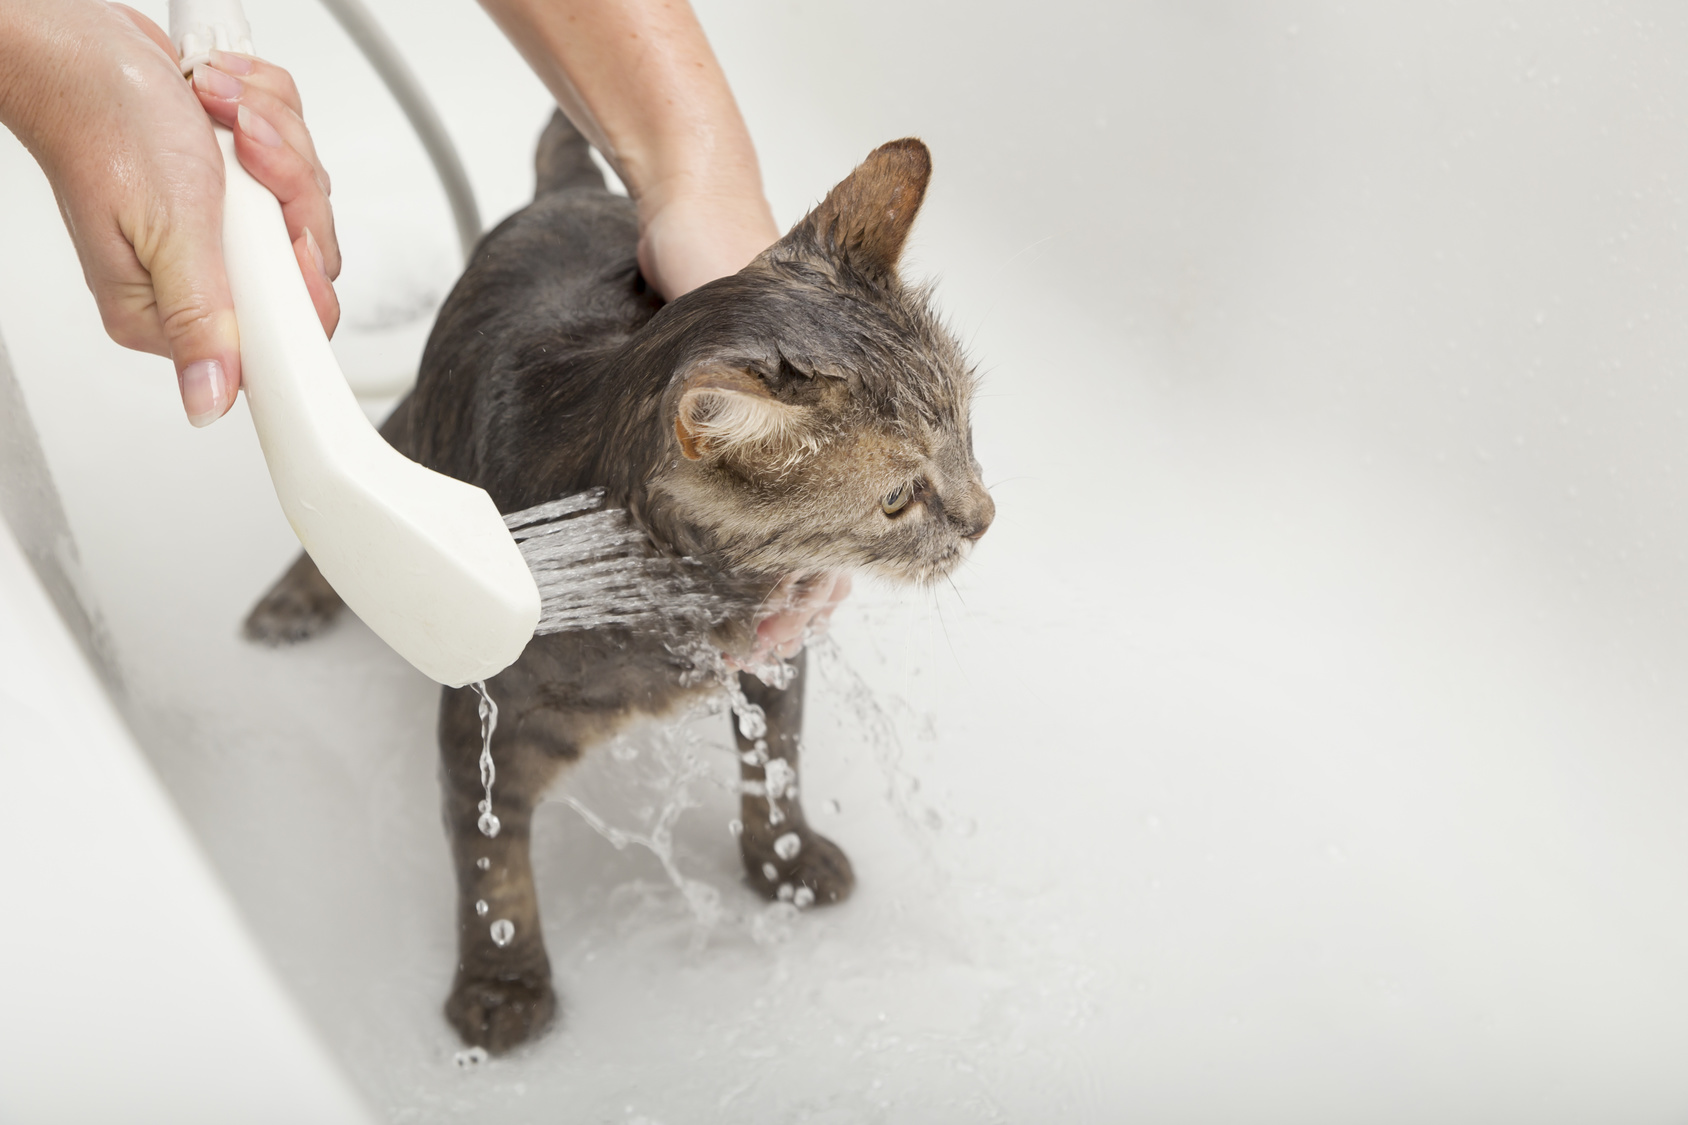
807,414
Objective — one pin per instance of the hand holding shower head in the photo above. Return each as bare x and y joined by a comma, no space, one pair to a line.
425,560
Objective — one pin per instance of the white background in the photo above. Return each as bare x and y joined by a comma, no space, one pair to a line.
1305,742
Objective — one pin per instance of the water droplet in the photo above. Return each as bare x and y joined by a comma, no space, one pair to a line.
804,897
833,807
488,823
735,826
770,872
474,1056
781,776
787,846
503,931
483,863
787,892
481,907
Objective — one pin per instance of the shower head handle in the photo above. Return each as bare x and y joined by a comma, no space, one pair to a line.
425,560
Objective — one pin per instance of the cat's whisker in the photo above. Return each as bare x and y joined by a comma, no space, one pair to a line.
943,624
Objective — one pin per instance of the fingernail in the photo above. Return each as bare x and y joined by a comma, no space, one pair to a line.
208,80
316,252
234,64
205,391
257,128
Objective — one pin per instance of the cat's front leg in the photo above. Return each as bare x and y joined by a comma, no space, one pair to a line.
502,995
783,857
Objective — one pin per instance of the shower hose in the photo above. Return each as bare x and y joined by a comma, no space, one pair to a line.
360,25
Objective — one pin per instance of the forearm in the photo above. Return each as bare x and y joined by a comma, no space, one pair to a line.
640,80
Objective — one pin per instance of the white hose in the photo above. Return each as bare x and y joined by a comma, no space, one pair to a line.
359,24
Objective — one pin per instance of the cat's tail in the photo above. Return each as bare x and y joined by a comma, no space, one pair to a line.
563,159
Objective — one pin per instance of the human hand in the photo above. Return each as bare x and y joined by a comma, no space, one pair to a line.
96,93
799,608
690,237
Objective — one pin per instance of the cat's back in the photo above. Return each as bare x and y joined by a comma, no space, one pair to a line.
565,266
550,286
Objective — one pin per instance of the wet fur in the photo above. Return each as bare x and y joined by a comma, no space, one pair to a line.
755,423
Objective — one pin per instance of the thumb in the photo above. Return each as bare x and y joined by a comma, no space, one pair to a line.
196,313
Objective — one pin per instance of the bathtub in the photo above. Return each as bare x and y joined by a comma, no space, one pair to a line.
1304,742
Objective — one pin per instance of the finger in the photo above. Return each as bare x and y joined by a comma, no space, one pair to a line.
195,311
323,297
260,75
291,179
840,590
781,629
822,620
221,95
129,313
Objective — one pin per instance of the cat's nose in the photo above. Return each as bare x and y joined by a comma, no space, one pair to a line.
984,511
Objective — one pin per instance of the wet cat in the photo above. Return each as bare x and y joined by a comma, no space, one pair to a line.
808,414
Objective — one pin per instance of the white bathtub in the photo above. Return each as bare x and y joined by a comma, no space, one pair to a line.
1304,743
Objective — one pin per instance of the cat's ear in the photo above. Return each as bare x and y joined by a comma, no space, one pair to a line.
726,410
865,220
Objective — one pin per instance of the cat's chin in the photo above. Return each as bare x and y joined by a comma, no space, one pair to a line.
926,571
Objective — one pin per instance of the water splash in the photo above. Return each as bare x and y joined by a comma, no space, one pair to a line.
671,772
595,568
653,773
488,823
779,778
874,721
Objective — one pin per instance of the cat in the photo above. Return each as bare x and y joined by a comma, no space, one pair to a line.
808,414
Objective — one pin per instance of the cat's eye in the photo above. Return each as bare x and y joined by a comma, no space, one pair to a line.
897,499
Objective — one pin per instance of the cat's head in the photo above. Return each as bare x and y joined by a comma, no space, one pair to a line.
819,417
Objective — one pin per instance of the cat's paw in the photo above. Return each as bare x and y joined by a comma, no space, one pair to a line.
501,1012
301,605
815,874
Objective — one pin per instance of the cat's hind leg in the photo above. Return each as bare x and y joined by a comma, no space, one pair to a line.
300,605
783,857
